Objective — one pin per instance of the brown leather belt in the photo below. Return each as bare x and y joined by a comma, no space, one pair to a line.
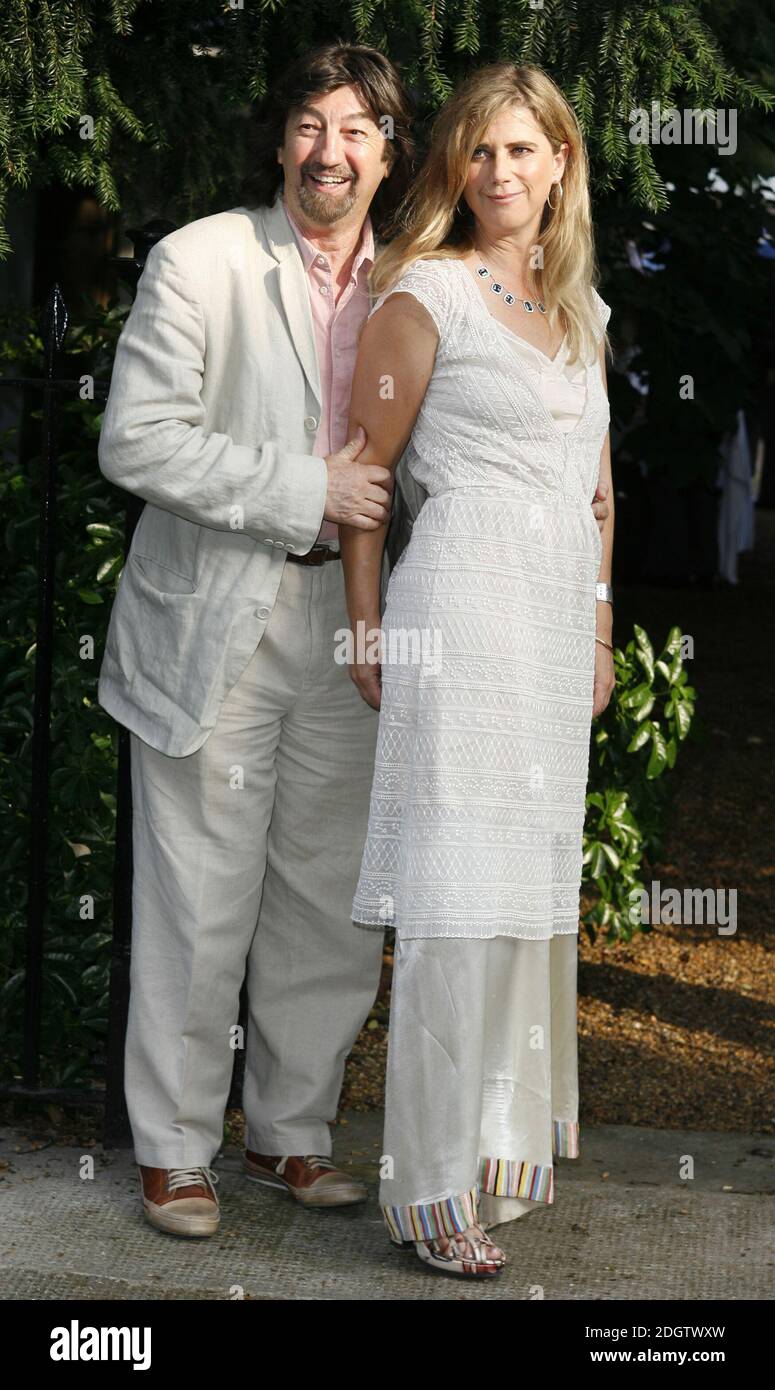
316,556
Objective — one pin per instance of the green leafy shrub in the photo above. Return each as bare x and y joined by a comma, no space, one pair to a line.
84,739
634,743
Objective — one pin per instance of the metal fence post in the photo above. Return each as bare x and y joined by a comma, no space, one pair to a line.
117,1131
54,327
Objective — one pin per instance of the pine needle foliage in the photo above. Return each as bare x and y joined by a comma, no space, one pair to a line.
151,98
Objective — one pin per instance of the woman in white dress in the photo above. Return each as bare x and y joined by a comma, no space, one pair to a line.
483,359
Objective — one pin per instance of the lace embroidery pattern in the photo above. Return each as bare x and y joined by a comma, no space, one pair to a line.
478,796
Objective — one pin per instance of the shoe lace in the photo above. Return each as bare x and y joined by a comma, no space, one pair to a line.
192,1177
311,1160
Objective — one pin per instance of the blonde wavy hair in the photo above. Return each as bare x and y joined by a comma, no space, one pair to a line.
428,223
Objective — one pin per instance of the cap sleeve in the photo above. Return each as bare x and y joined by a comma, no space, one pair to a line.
428,283
603,311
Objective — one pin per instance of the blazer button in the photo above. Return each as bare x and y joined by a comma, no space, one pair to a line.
262,612
310,423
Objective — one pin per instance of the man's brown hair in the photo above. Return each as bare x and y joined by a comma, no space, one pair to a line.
322,70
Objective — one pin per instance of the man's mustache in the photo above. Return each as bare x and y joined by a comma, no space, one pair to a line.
328,173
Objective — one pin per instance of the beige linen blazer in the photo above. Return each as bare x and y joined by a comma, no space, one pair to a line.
212,414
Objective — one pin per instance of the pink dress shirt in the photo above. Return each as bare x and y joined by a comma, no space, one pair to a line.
337,323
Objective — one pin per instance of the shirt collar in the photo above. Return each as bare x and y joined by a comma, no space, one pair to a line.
309,253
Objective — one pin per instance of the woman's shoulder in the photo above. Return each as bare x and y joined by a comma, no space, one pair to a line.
603,309
427,279
429,267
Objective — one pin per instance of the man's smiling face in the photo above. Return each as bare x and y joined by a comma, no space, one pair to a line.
334,157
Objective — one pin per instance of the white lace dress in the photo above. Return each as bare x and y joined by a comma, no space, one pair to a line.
478,797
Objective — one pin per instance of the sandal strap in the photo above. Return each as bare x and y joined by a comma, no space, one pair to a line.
476,1244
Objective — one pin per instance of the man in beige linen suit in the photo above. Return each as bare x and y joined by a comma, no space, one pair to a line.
252,751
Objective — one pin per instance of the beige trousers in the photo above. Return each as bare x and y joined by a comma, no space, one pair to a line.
246,857
482,1081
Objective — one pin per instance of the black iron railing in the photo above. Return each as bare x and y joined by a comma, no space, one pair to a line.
54,390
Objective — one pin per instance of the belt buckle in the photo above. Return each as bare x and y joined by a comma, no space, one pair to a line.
317,555
324,553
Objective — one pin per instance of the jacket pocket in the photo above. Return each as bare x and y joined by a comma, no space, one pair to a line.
166,580
164,546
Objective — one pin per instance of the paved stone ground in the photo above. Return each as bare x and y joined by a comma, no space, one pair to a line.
623,1225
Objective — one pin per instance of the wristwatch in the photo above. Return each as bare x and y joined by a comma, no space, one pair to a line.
605,593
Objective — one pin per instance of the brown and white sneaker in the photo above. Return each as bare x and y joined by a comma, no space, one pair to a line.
181,1201
312,1179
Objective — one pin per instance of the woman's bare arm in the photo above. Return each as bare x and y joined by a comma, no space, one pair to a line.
395,361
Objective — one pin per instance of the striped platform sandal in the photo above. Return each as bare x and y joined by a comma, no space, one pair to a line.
470,1253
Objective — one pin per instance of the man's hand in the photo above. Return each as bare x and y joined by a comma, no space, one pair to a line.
601,509
358,494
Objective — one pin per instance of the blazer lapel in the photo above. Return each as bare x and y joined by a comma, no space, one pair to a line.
294,293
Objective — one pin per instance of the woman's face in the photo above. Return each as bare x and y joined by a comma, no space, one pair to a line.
511,173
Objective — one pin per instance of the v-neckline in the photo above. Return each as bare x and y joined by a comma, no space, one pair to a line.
553,361
562,435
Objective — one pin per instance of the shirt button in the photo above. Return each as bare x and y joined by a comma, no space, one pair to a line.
262,612
310,423
323,289
322,260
